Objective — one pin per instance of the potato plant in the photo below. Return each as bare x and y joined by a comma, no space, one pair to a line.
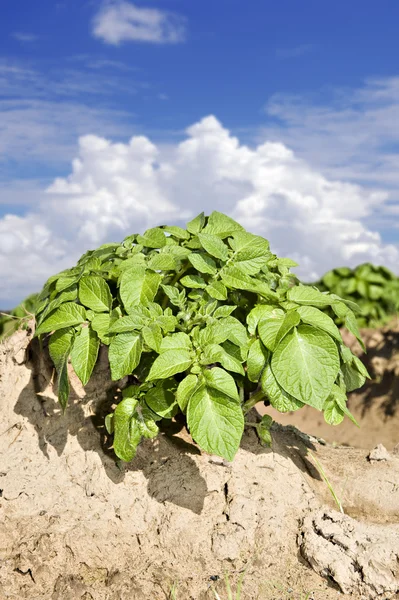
375,289
205,321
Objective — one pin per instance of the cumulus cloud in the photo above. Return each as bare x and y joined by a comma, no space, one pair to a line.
115,189
121,21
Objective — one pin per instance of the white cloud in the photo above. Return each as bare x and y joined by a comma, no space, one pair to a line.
115,189
25,37
348,133
38,131
43,112
121,21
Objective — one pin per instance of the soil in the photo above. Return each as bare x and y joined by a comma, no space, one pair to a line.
75,524
375,406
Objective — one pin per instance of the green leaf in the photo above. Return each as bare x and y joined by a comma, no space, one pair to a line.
176,341
333,414
162,399
286,263
240,352
64,283
196,225
185,390
352,378
66,315
309,296
261,311
193,281
275,327
109,423
306,364
152,238
236,331
221,381
216,422
163,262
138,286
95,293
213,353
203,263
146,422
256,360
343,271
235,279
362,288
351,325
221,225
127,434
60,345
167,323
152,336
251,266
224,311
314,316
224,329
360,367
352,305
178,252
169,363
124,354
340,399
135,321
251,252
346,354
84,353
340,309
214,246
263,430
178,232
279,398
137,260
92,264
173,294
68,295
216,289
248,246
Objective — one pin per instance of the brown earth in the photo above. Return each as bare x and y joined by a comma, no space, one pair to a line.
375,406
76,525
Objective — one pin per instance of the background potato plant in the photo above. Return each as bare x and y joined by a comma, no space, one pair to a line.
205,321
375,289
18,316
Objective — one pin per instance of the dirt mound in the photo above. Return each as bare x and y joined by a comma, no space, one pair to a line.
77,525
375,406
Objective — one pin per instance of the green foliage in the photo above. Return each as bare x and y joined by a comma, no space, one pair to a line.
18,316
204,321
374,289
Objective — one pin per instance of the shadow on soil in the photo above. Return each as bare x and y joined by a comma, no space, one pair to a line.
382,362
166,462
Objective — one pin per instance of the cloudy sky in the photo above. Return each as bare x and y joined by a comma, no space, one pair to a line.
117,115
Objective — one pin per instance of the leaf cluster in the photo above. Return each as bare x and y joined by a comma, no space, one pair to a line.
205,321
375,289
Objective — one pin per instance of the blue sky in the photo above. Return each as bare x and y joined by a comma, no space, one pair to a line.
320,78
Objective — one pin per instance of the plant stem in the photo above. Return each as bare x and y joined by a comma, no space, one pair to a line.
256,397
